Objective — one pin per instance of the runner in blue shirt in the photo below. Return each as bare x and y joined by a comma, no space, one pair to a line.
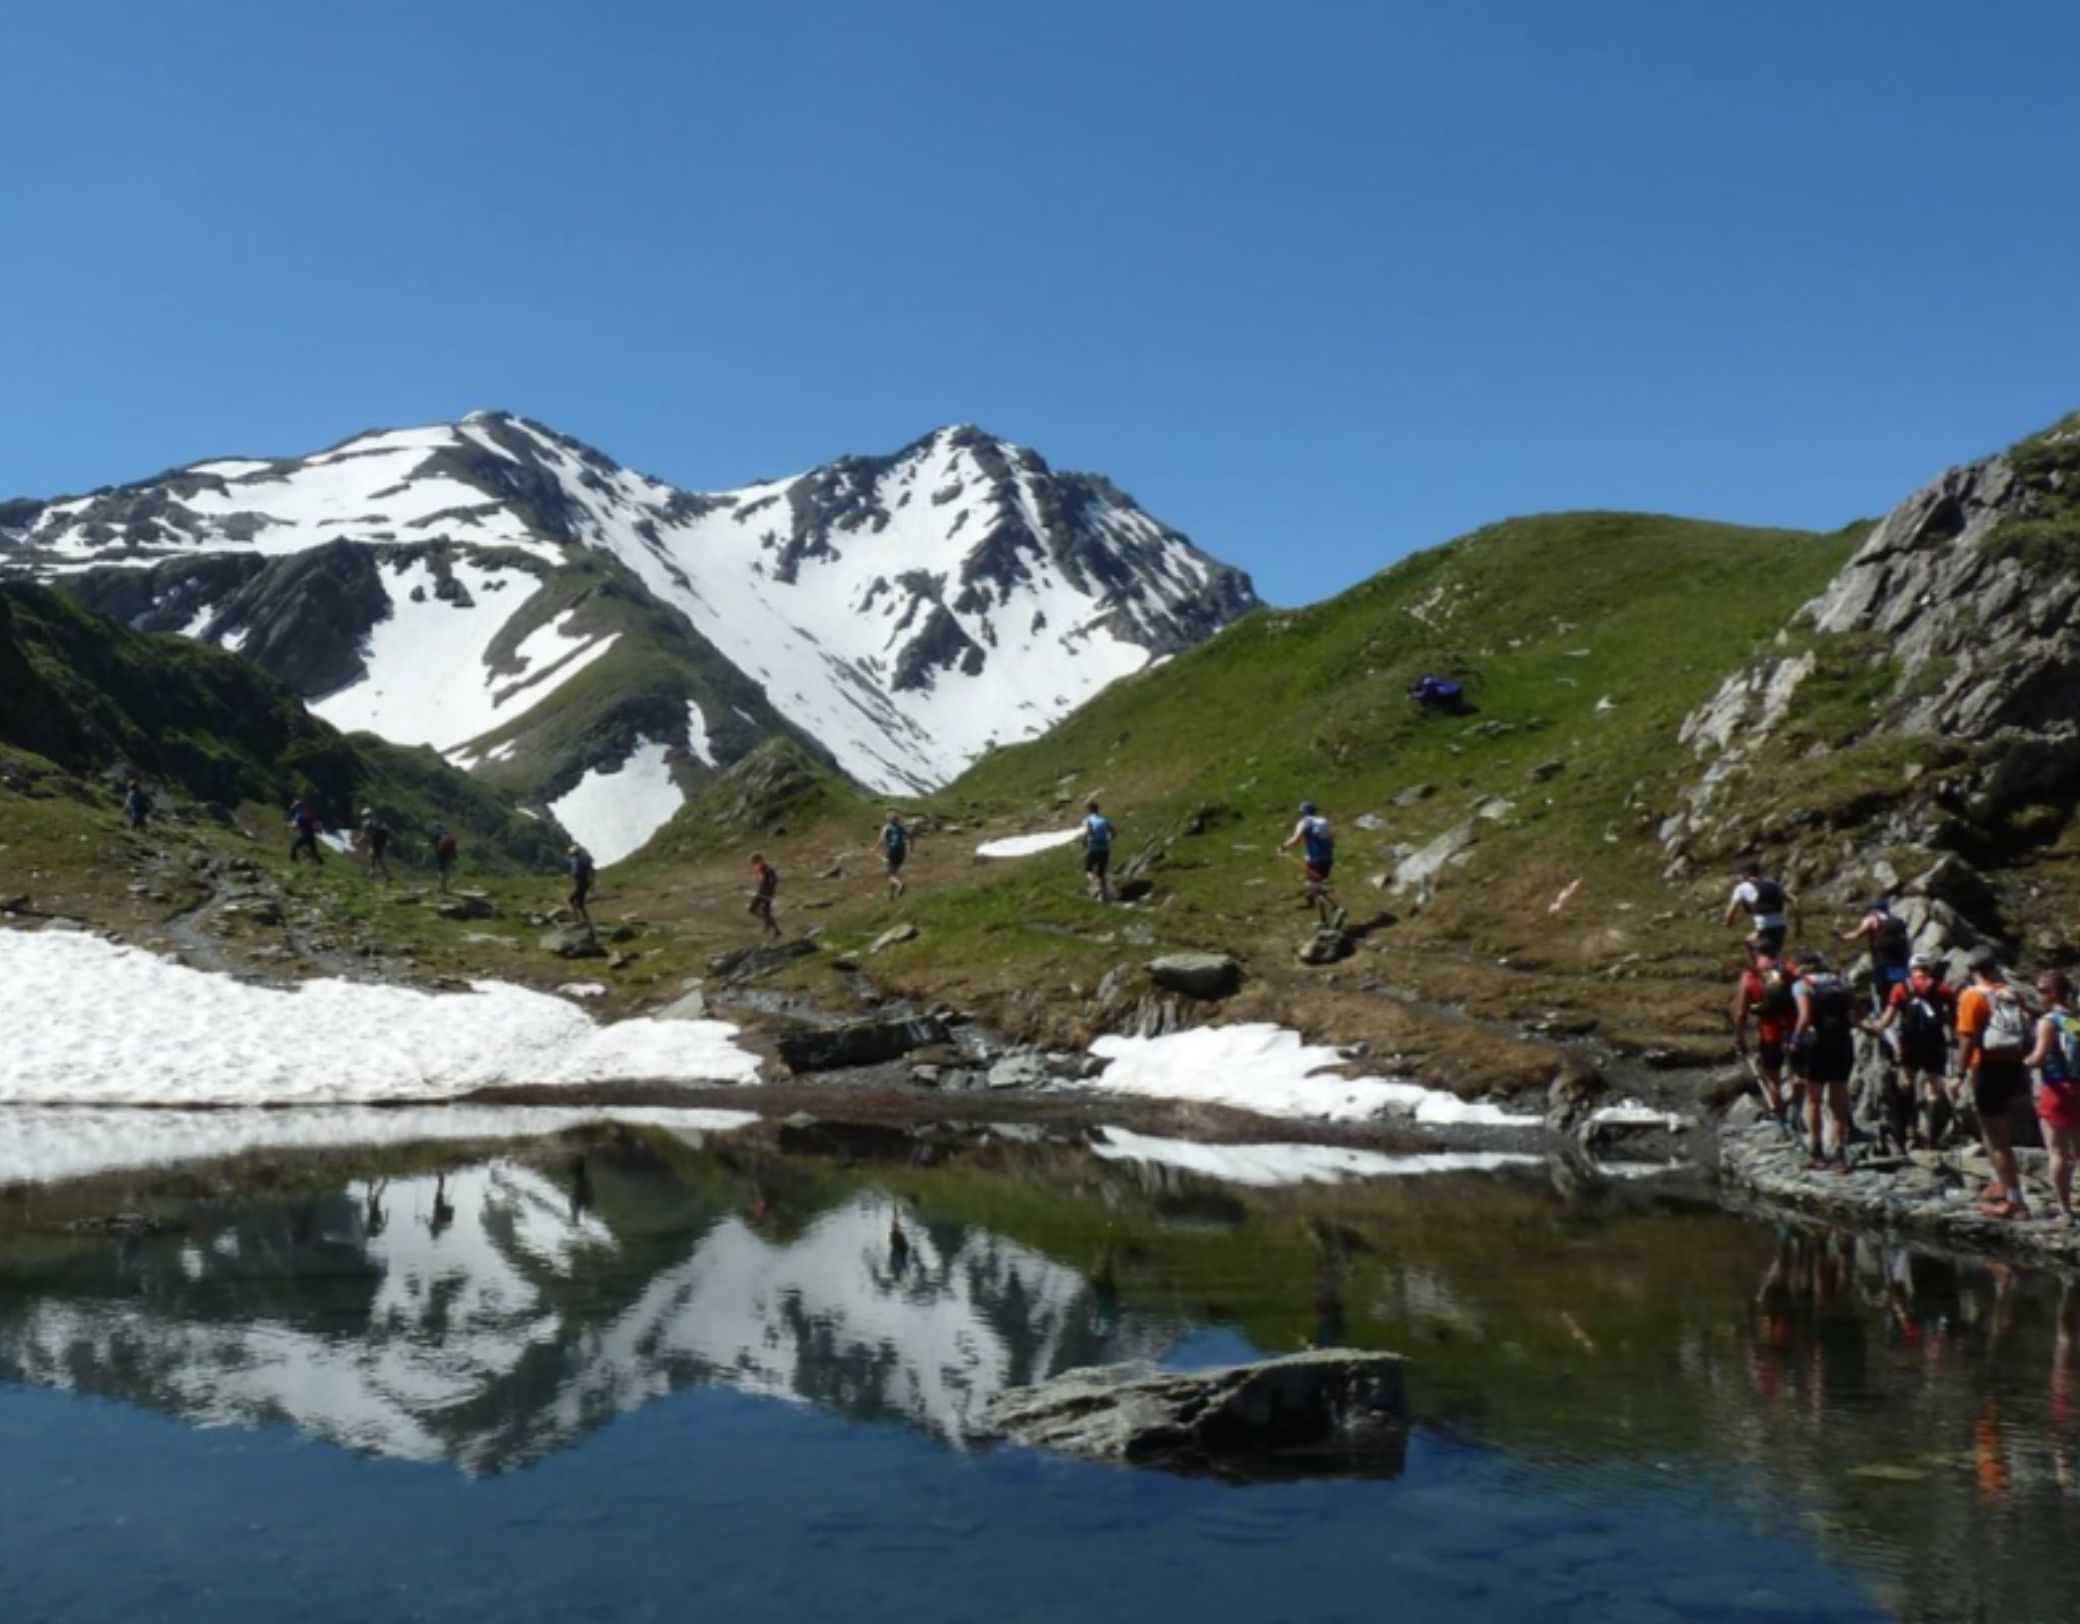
1318,841
1097,852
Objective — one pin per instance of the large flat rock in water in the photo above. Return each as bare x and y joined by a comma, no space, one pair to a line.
1331,1411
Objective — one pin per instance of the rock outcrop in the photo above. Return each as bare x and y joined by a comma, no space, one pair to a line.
1197,975
1325,1411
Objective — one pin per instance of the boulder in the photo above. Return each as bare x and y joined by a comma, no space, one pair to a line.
466,905
691,1005
1546,771
572,942
857,1043
895,934
749,963
1326,946
1415,795
1330,1410
1023,1068
1197,975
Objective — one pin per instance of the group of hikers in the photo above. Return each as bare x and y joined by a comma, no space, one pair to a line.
369,840
1944,1055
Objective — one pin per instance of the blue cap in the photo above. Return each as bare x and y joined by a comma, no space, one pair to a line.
1307,809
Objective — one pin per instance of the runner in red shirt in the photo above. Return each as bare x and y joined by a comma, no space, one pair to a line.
1765,996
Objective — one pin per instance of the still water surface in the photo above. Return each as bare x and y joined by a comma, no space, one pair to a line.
623,1376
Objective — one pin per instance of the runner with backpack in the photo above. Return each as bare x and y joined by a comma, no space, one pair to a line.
1765,996
1892,949
582,871
895,849
2056,1057
1317,841
1097,852
303,829
1920,1014
765,885
1767,902
1824,1039
375,842
445,852
1994,1031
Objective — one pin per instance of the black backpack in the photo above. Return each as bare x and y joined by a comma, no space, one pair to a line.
1893,945
1769,897
1833,1004
1921,1023
1778,1003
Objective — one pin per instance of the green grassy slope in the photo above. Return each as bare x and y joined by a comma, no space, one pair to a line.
1583,640
89,701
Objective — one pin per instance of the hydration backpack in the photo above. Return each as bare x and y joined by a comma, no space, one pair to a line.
1893,945
1921,1023
1769,897
2062,1062
1833,1004
444,848
2007,1024
1778,1003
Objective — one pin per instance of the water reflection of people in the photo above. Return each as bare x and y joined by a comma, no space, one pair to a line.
581,1187
374,1220
443,1208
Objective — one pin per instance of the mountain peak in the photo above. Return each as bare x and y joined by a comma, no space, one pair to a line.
467,584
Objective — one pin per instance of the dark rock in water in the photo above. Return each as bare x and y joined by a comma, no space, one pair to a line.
1334,1410
749,963
573,942
857,1043
1197,975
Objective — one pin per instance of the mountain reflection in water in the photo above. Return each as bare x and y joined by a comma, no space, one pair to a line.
1676,1378
487,1315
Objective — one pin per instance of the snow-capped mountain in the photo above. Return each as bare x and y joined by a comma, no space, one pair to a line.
602,642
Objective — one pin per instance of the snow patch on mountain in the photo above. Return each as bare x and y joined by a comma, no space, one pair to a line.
907,612
612,814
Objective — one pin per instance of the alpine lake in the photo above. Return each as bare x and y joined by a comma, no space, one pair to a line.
631,1371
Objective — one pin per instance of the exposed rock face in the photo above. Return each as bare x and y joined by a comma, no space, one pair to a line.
856,1043
1331,1410
1947,640
1197,975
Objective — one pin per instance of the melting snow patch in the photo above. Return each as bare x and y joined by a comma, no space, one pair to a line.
1027,845
1268,1069
1269,1166
1637,1114
697,736
612,814
117,1026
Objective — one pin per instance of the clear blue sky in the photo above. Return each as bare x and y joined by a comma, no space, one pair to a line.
1318,282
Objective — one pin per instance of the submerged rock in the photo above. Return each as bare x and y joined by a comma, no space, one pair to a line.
1332,1410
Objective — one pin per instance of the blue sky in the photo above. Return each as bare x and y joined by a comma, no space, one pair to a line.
1319,283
